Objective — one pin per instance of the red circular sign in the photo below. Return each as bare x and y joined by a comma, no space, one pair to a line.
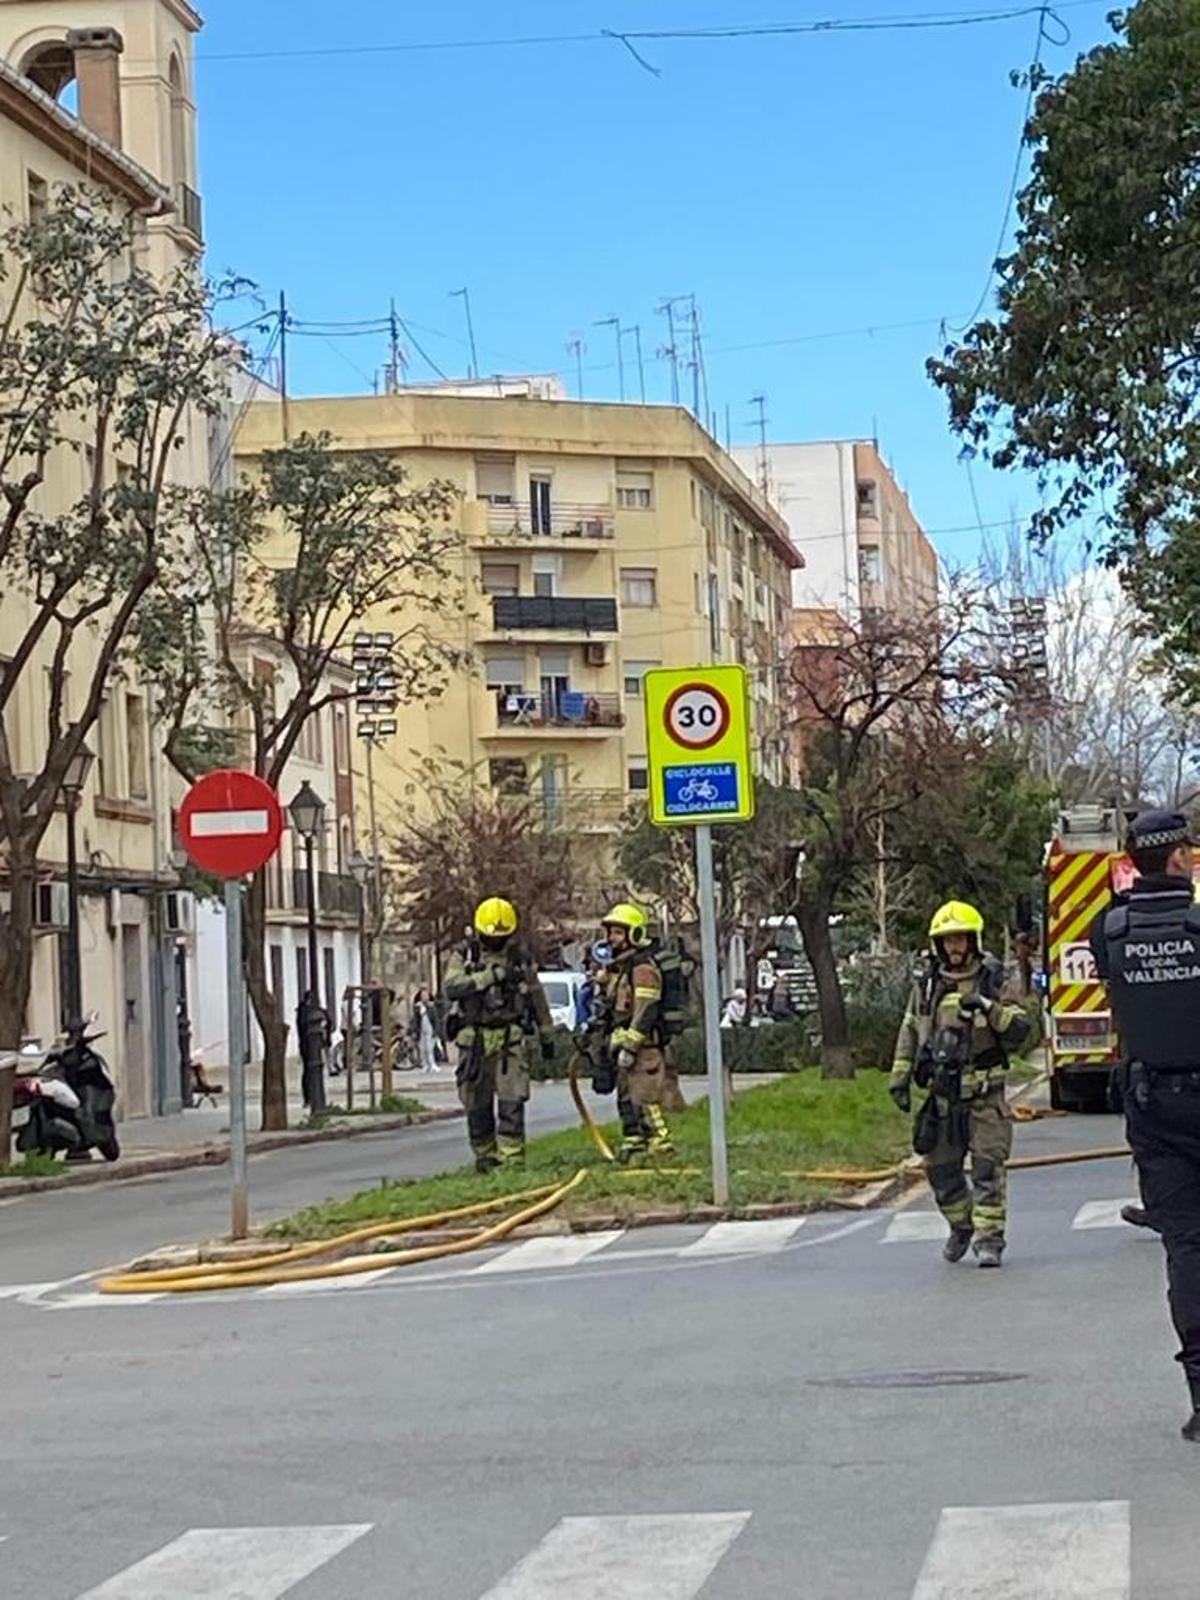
696,715
230,823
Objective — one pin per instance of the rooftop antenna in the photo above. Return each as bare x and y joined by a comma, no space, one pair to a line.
466,300
636,331
615,324
671,349
764,474
576,347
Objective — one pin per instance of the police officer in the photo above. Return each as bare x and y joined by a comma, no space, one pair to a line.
1148,952
957,1031
645,1083
498,1004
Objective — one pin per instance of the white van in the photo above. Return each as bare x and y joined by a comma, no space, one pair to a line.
562,996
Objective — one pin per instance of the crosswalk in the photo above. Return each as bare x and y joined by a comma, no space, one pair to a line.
911,1227
1061,1551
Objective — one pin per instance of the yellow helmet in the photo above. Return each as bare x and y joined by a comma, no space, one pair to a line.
956,916
495,918
627,917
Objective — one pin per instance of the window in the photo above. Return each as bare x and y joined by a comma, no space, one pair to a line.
308,744
135,740
547,574
331,999
37,197
107,770
708,509
494,479
301,973
866,497
637,777
869,568
635,671
277,972
505,672
508,775
500,577
635,490
341,739
179,151
639,586
540,519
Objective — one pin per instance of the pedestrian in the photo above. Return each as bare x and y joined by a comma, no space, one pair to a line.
424,1035
637,1017
960,1024
734,1014
1148,953
498,1005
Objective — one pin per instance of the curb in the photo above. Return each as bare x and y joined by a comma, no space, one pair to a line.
216,1155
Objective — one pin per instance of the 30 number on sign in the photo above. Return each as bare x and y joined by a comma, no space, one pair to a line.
696,716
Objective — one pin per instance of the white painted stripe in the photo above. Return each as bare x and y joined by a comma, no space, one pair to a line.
217,824
536,1255
623,1558
95,1298
1102,1214
909,1226
19,1291
230,1564
744,1238
328,1285
1039,1552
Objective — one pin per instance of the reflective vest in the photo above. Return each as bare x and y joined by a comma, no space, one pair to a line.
1153,950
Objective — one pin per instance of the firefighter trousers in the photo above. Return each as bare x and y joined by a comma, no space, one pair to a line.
981,1128
644,1090
493,1088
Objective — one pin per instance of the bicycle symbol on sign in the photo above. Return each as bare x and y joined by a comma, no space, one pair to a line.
697,789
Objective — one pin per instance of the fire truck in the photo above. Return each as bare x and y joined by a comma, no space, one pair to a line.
1085,868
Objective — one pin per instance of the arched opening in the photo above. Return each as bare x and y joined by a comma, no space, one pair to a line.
51,66
179,140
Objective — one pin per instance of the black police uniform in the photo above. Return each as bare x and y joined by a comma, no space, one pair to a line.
1148,952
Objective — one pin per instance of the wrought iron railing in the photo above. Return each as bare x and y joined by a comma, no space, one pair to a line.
191,211
567,708
560,520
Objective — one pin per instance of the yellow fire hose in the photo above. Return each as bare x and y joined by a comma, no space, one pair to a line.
585,1115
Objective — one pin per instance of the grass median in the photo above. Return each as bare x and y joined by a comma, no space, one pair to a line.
775,1131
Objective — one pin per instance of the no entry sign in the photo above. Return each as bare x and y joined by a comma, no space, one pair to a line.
230,823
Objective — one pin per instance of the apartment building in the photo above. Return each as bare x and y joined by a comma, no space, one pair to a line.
864,549
599,541
98,92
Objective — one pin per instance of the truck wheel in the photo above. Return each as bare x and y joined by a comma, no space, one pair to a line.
1056,1094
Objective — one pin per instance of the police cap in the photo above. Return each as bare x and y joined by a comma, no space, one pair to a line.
1151,830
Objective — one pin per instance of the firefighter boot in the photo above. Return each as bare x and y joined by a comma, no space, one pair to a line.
1191,1428
990,1252
957,1245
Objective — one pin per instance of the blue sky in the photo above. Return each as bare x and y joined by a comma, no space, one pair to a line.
800,186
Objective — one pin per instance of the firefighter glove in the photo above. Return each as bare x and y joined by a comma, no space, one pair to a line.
901,1093
626,1058
604,1079
971,1004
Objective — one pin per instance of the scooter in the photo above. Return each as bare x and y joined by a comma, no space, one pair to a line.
69,1101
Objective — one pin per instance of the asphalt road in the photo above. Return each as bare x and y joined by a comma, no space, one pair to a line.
790,1422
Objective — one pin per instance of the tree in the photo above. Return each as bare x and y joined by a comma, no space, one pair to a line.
1089,374
470,842
103,372
288,562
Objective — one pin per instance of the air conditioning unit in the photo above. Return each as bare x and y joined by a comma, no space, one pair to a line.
180,912
595,655
50,905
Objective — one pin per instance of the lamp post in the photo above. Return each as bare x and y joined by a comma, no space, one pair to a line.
361,868
73,784
307,813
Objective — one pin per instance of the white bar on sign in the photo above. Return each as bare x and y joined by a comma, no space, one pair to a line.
908,1226
219,824
1041,1552
230,1564
623,1558
1102,1214
539,1254
744,1238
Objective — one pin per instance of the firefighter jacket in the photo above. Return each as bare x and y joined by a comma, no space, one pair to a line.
991,1033
1148,952
497,998
633,988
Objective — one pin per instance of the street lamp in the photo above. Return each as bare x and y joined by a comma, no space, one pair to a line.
307,813
73,784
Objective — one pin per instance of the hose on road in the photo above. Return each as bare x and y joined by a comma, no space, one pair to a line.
581,1105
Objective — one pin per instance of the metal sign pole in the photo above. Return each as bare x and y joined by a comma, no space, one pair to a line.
712,1013
237,1056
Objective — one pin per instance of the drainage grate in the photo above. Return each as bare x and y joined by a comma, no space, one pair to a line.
914,1380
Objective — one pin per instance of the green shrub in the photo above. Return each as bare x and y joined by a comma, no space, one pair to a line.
775,1047
876,995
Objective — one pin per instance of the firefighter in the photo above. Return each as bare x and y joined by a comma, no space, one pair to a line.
1148,953
497,1006
633,990
957,1031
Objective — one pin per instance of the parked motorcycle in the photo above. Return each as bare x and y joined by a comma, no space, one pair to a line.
69,1101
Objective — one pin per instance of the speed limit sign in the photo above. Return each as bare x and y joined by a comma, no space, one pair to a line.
697,715
698,745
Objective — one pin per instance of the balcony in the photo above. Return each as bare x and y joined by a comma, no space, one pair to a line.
553,614
189,210
568,710
519,520
337,893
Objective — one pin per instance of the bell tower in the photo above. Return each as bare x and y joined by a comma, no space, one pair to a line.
125,68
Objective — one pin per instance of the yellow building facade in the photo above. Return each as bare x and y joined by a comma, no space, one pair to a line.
599,541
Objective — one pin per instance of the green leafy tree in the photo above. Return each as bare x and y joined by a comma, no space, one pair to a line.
1088,373
104,372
